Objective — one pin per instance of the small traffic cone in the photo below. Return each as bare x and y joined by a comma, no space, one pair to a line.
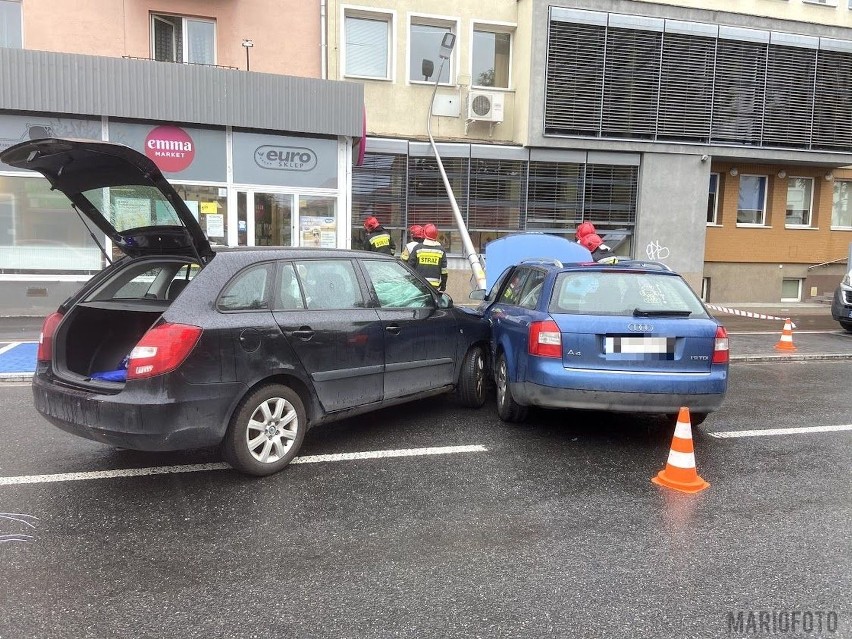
680,473
786,341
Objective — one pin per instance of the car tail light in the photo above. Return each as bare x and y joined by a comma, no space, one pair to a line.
545,339
720,346
161,350
45,339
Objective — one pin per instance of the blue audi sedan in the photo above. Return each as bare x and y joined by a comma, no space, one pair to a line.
629,337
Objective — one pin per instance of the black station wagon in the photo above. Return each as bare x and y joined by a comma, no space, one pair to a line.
175,345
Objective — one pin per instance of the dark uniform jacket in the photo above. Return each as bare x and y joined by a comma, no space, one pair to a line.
380,241
430,260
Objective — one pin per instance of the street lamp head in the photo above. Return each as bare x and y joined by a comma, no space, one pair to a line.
247,43
447,44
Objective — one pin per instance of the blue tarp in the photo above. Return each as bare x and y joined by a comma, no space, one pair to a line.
512,249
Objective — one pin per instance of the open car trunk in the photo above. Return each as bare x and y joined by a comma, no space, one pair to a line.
96,337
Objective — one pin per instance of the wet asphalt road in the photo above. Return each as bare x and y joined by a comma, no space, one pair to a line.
555,530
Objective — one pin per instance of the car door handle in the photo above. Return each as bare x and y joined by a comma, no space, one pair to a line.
304,333
393,329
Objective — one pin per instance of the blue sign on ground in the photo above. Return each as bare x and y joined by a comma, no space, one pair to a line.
20,358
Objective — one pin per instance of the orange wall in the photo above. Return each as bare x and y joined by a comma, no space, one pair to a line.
122,28
729,243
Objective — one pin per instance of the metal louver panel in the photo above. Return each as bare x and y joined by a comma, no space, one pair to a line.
686,92
739,91
833,109
496,194
575,67
427,197
610,194
632,83
789,96
555,196
379,188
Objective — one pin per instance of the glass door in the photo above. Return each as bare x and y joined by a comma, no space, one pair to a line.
264,219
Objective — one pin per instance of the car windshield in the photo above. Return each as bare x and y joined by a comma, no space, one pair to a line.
624,293
133,206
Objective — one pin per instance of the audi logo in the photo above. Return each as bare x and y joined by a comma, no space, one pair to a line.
640,328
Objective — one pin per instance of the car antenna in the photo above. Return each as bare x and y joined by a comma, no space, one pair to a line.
92,235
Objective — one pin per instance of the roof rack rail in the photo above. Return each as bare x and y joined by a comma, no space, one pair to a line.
645,264
543,260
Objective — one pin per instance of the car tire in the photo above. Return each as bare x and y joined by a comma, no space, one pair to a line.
257,442
846,326
507,408
471,388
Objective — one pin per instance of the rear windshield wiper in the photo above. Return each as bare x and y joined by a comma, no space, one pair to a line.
641,312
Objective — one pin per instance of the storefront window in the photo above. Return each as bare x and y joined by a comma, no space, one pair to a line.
39,231
318,221
209,205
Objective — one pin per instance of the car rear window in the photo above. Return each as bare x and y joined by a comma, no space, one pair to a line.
623,293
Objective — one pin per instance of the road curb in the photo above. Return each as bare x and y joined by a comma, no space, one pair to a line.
791,358
16,377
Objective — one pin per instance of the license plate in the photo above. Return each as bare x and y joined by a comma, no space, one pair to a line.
620,344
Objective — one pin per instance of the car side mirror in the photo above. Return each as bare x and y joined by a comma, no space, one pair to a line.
478,294
445,301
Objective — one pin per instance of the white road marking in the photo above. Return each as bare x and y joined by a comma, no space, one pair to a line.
194,468
9,347
781,431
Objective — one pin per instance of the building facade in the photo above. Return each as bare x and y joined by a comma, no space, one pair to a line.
260,158
712,139
710,136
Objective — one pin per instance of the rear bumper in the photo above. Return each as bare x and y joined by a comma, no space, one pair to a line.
530,394
151,417
549,384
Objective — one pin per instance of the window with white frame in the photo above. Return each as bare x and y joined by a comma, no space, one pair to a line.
179,39
424,43
841,209
713,199
751,203
791,290
490,57
799,201
367,41
11,36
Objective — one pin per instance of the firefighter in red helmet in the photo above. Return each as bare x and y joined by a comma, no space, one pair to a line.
585,228
597,248
377,239
430,259
415,232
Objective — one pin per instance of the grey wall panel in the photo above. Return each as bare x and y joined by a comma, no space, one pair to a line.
92,85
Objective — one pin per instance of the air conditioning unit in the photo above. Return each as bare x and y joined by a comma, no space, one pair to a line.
485,106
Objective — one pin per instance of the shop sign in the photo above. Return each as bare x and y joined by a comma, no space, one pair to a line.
285,158
170,147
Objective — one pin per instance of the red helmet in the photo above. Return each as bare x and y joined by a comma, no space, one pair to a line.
416,231
430,232
584,229
371,223
591,241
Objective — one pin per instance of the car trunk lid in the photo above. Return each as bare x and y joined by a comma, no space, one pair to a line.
120,190
637,344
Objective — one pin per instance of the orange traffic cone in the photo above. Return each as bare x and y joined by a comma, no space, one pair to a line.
786,341
680,473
